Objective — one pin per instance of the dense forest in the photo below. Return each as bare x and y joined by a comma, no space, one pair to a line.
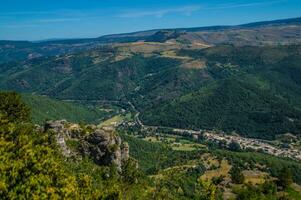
255,92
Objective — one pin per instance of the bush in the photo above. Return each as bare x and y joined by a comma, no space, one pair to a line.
12,109
234,146
236,175
285,178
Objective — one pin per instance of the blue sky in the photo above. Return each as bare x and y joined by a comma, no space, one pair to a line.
43,19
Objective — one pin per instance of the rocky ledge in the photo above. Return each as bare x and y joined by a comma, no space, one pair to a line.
103,146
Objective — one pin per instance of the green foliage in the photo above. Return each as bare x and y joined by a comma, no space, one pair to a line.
254,92
105,182
32,168
181,184
285,178
208,191
12,109
29,166
217,180
153,157
266,191
231,105
293,194
44,108
236,175
130,173
234,146
274,165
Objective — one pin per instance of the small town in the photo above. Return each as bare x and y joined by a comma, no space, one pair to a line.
255,144
245,143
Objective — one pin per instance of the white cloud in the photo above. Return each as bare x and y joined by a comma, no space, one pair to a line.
186,10
240,5
50,20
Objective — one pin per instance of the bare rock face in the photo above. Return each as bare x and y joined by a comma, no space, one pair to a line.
103,146
125,151
56,126
61,133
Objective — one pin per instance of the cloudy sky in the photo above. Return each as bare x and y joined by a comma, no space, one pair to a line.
42,19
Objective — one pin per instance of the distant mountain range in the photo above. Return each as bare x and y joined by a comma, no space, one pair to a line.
286,31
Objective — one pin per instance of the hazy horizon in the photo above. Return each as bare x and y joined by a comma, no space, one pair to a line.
36,20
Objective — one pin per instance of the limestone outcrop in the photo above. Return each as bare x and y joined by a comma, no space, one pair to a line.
103,146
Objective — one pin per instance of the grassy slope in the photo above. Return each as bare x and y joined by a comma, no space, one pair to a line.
44,108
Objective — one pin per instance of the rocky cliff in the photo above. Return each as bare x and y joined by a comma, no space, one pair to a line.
103,146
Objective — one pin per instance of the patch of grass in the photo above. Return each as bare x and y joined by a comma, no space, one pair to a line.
72,143
113,121
186,147
173,54
254,177
151,139
293,194
195,64
222,170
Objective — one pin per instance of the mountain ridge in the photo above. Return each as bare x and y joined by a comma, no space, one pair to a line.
198,28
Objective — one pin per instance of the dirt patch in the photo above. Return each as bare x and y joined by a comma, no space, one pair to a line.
146,47
173,54
195,64
200,45
222,170
254,177
296,187
122,56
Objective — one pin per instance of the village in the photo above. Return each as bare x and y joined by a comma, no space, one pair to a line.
245,143
255,144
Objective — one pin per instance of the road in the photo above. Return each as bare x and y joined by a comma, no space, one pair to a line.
251,143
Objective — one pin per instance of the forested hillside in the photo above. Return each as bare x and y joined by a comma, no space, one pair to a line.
44,108
254,91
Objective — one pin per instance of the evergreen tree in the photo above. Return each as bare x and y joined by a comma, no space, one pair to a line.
12,109
285,178
234,146
236,175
